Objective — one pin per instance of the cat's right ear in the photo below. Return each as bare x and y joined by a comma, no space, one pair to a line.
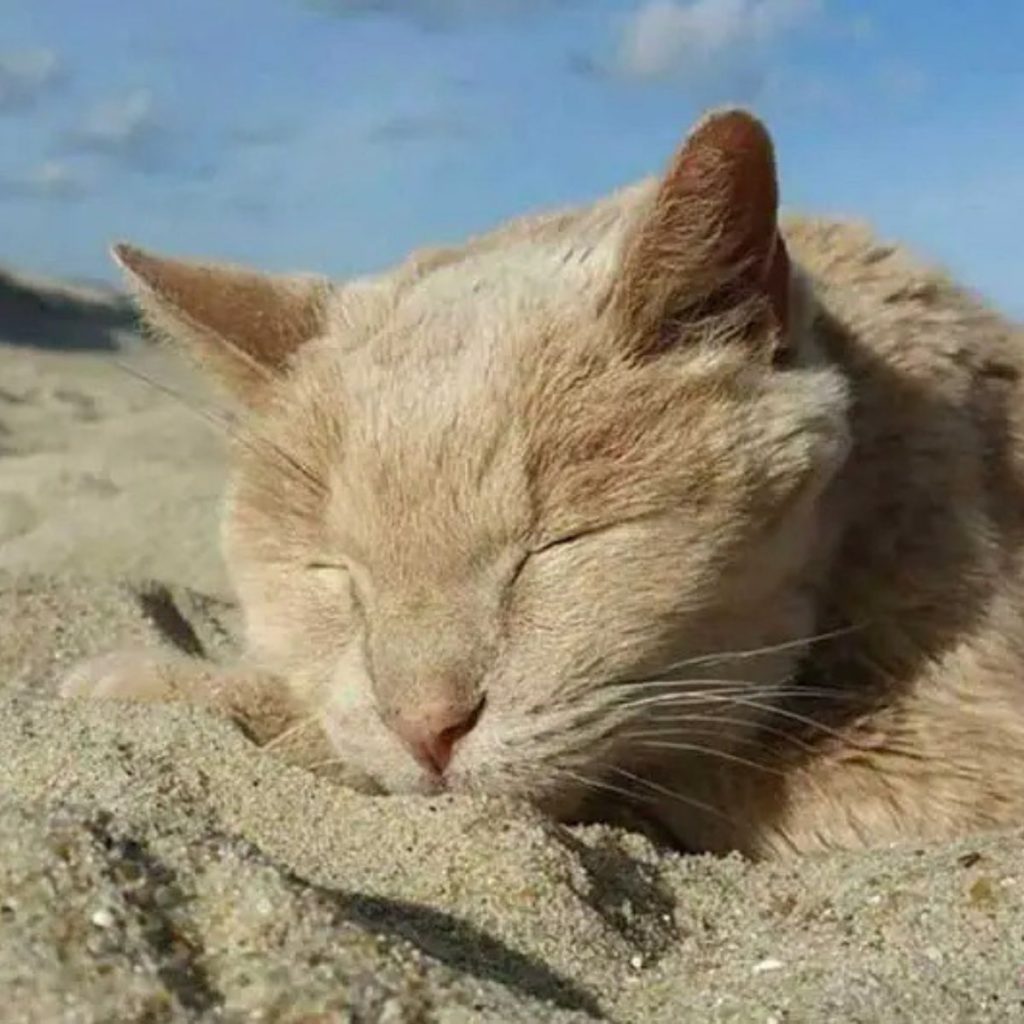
241,325
709,243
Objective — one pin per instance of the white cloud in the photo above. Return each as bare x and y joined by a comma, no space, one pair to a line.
26,76
124,127
52,180
434,13
902,81
422,127
139,134
705,38
264,131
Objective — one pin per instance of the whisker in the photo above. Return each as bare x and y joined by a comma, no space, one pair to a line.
793,716
203,412
286,459
254,441
710,682
726,720
240,353
665,791
696,748
682,681
329,763
599,784
769,709
753,652
708,693
743,696
288,733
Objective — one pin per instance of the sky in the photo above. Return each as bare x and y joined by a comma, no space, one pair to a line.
335,135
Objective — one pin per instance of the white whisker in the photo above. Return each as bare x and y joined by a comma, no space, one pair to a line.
754,652
599,784
726,720
665,791
288,733
739,690
696,748
232,429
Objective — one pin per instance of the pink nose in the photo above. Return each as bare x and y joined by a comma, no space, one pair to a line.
431,731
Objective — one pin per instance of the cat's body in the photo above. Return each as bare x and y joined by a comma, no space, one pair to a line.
560,513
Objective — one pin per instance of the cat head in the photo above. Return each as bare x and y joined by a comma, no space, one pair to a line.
491,510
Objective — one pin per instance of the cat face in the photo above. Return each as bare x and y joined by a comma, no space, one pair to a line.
492,510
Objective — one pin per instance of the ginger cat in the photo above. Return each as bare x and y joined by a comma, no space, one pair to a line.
653,511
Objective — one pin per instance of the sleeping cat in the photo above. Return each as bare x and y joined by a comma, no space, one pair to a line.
653,511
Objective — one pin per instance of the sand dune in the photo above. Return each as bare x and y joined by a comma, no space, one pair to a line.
61,315
154,865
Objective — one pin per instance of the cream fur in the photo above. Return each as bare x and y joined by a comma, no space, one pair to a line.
418,444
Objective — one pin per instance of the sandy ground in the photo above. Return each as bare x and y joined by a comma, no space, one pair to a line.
155,866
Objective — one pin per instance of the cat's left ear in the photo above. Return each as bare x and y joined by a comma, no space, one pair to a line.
242,325
709,244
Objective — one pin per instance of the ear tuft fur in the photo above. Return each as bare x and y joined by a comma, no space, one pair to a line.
243,325
710,240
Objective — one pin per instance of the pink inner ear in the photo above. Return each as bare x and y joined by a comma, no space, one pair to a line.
713,224
262,317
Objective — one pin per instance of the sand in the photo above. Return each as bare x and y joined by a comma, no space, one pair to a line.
156,866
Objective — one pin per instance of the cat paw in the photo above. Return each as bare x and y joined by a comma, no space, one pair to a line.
120,675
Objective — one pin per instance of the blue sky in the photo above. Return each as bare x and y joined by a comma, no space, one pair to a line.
334,135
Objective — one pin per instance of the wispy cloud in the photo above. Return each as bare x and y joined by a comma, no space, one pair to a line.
28,75
133,131
266,131
902,81
253,207
706,40
435,13
423,127
127,128
53,181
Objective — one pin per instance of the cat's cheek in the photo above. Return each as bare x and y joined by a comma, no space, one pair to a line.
488,761
349,717
371,753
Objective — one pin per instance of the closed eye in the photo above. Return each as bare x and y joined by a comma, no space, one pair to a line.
558,542
325,566
561,542
342,573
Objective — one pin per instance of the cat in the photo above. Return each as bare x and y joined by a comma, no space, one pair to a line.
668,510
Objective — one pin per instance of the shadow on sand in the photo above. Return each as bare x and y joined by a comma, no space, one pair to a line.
61,317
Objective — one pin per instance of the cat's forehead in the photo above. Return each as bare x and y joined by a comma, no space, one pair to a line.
459,345
500,282
495,291
462,387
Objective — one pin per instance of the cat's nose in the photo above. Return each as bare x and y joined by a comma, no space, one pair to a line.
431,731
